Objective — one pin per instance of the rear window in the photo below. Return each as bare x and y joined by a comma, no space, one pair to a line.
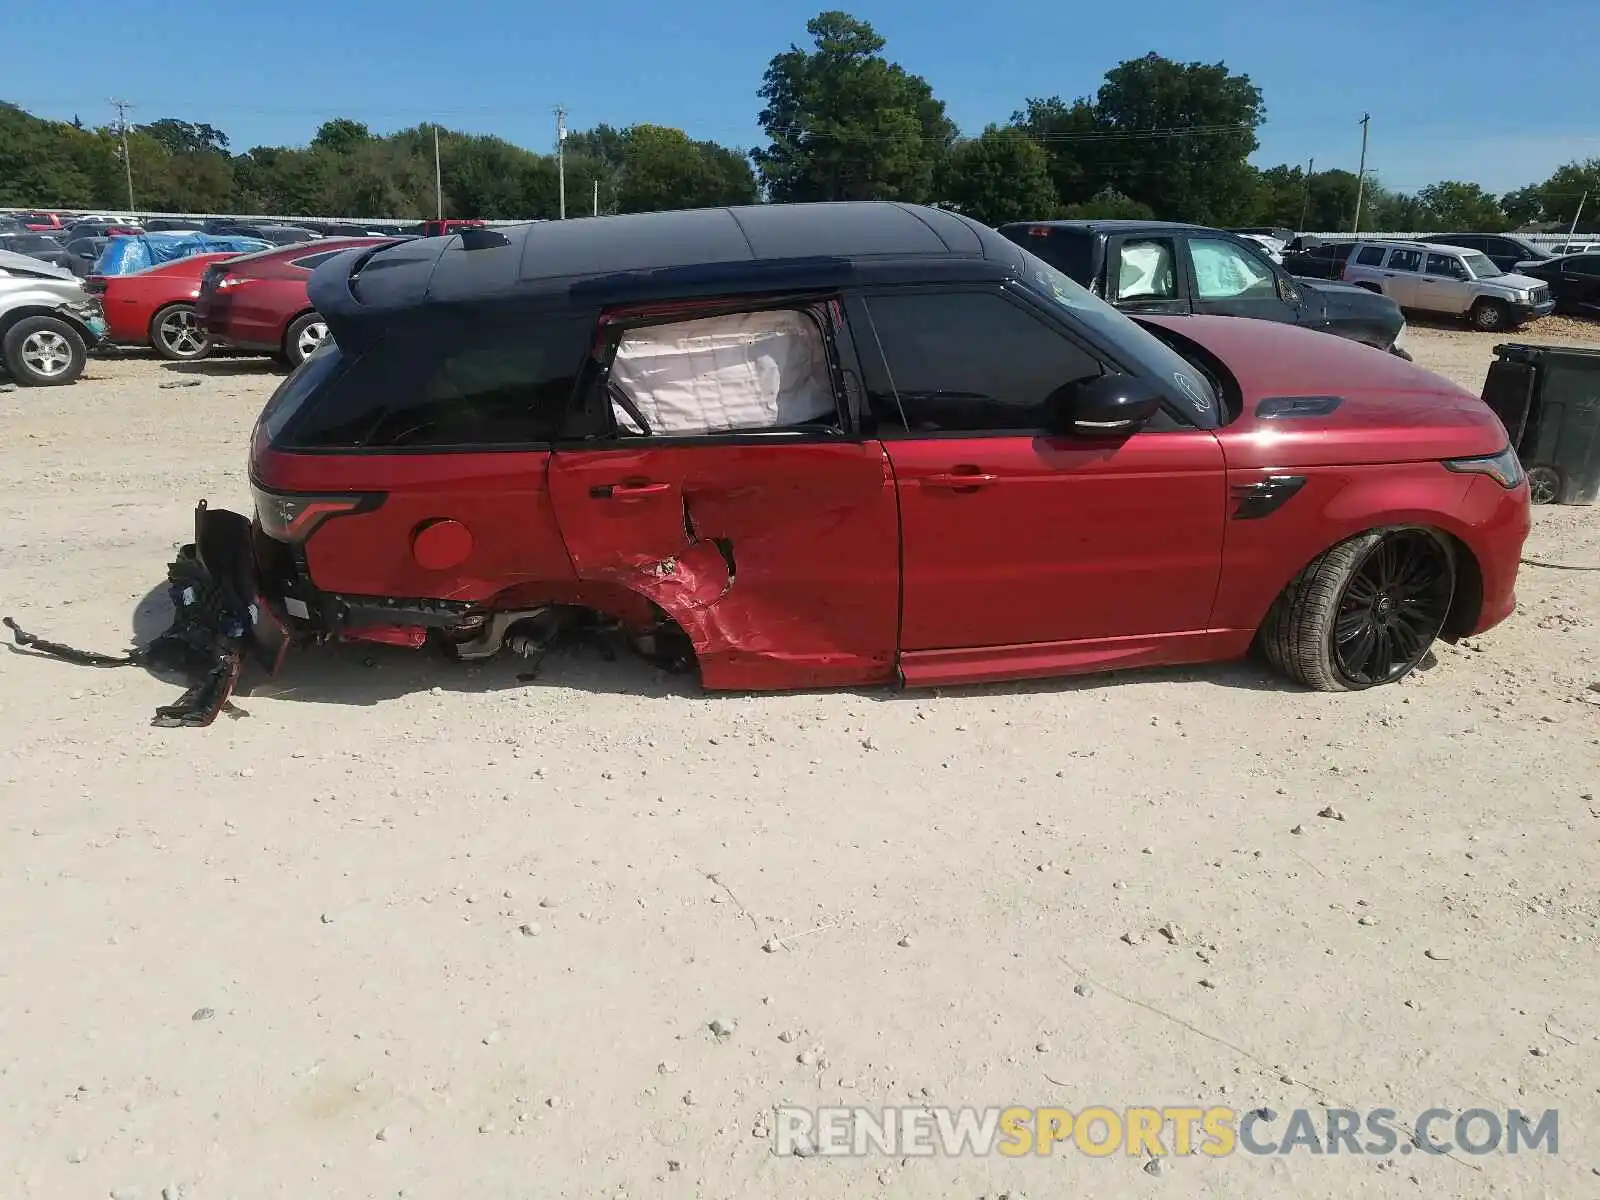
1067,250
306,380
1372,256
481,384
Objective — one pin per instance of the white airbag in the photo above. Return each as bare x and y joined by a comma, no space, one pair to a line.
739,371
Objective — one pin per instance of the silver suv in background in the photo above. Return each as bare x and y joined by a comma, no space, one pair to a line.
48,323
1448,280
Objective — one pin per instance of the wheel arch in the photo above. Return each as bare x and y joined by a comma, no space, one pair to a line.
23,311
309,310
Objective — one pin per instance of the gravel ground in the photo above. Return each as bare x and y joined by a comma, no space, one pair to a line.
401,928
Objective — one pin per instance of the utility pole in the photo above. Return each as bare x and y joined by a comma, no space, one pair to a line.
1582,200
1305,204
597,197
122,107
438,177
1361,174
561,156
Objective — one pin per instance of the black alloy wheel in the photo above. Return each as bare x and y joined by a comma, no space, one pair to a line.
1393,605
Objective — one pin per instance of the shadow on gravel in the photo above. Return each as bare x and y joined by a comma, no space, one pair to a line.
226,367
356,674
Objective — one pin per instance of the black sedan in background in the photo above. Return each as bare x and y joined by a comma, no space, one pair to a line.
35,245
1574,282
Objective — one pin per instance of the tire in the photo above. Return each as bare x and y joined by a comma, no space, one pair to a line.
303,338
43,352
1378,599
1489,316
176,334
1545,485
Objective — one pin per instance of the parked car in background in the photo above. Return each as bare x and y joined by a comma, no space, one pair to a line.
36,245
83,253
1573,280
48,324
173,225
258,301
1503,250
1561,248
1449,281
1317,259
443,228
11,224
42,222
700,456
155,307
99,228
277,235
126,255
1161,267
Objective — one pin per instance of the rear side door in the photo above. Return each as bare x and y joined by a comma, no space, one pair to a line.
1400,273
1580,282
1145,274
1444,285
1026,552
1231,281
714,467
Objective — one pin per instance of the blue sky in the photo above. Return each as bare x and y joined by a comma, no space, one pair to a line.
1457,88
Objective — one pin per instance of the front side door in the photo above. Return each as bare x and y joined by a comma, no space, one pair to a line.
1444,285
1143,274
1233,282
716,471
1025,552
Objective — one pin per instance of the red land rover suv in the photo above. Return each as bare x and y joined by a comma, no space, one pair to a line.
849,444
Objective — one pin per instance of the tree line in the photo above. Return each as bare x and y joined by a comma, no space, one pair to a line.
1159,138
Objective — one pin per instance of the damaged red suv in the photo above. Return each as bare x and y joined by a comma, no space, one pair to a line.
849,444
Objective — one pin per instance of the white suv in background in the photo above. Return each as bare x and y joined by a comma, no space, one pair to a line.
1449,280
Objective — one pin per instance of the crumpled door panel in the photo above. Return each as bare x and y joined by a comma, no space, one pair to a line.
779,561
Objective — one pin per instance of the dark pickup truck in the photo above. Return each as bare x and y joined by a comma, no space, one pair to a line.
1163,267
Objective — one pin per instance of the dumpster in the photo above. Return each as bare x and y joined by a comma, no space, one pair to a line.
1548,398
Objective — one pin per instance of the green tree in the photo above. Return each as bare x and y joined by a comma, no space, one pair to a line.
662,168
844,123
185,137
341,136
1524,206
1565,189
37,164
1108,204
1066,133
1280,197
1455,205
1002,175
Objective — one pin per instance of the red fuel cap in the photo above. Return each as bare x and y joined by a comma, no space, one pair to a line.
439,545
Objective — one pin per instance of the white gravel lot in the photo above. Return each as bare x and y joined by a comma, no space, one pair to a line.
406,928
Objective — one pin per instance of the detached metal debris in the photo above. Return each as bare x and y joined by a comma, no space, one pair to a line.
205,642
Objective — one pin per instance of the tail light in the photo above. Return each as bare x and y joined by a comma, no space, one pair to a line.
292,516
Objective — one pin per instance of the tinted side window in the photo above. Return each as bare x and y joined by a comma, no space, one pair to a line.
1372,256
1443,264
969,362
1583,264
503,383
1405,260
1067,250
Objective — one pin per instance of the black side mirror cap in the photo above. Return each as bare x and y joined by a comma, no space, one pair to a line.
1107,406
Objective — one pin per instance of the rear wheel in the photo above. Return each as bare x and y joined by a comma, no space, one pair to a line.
1490,315
43,352
304,337
1364,613
176,334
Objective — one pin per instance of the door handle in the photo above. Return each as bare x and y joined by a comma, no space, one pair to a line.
970,478
628,491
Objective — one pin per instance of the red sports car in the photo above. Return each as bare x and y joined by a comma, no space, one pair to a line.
258,301
852,444
155,307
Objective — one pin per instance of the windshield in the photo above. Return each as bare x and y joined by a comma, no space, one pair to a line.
1140,348
1480,266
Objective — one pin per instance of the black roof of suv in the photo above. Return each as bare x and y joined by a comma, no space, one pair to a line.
639,256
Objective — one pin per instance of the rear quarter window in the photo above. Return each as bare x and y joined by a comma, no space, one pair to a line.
1067,250
500,383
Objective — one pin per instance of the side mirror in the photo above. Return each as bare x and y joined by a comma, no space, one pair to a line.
1110,405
